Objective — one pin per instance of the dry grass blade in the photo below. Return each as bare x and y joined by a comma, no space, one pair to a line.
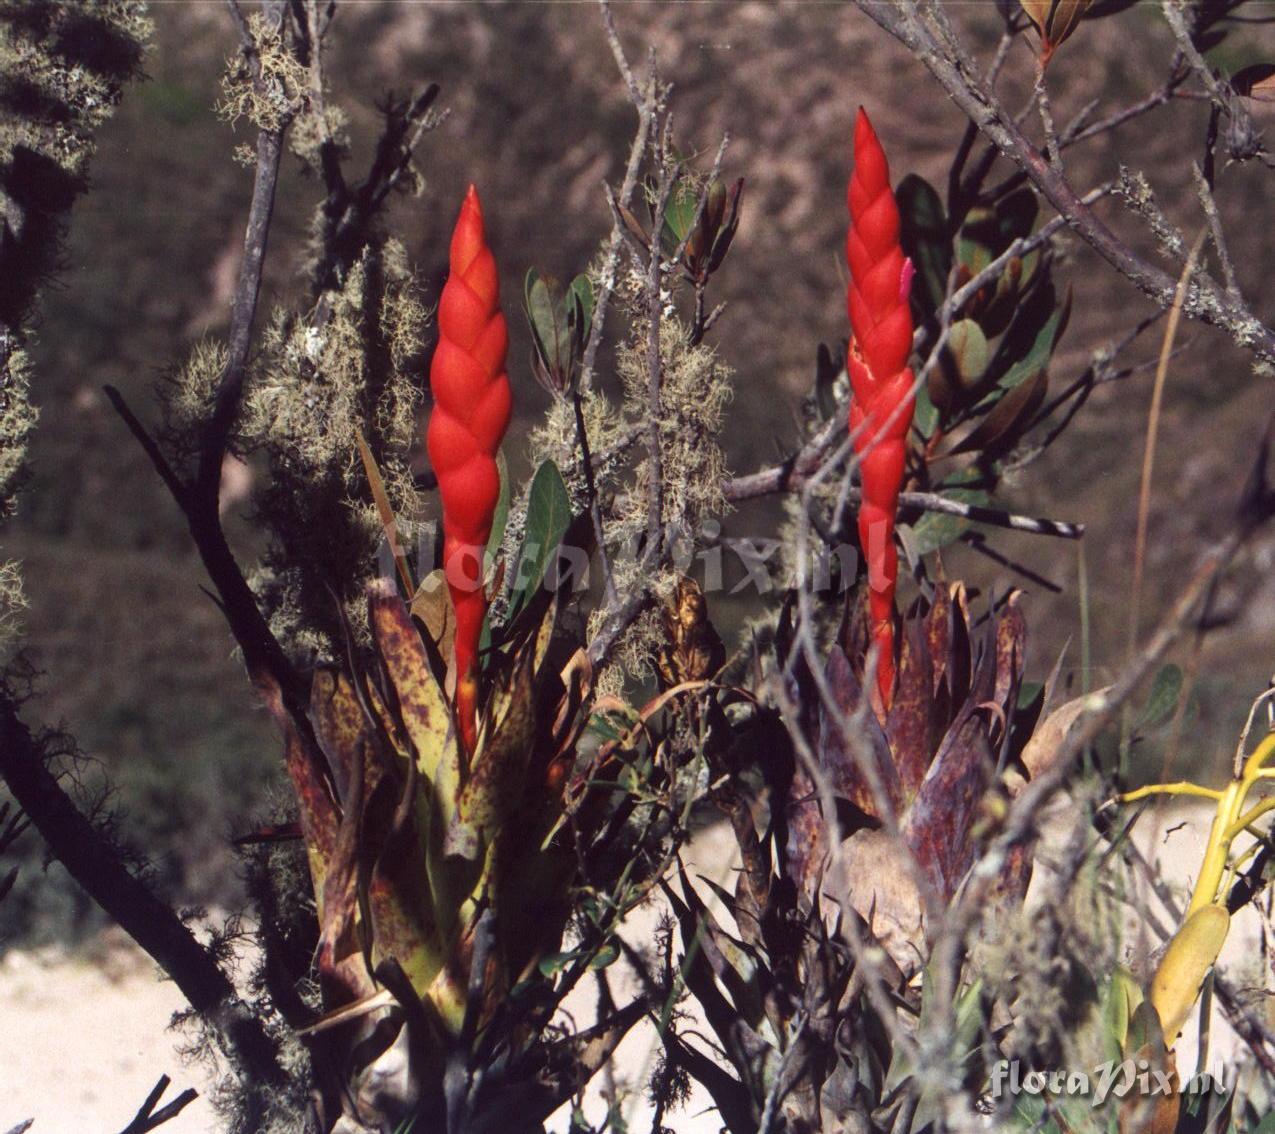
386,512
1153,430
382,998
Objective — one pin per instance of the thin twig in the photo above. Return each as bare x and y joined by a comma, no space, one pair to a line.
1173,15
217,431
646,106
791,476
595,506
1209,205
654,362
148,1118
1052,149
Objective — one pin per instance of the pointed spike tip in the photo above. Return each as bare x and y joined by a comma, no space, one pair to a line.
864,133
472,204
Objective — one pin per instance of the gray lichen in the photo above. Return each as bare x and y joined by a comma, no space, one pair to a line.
269,97
62,69
348,368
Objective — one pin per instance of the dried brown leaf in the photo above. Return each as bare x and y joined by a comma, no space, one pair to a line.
1042,750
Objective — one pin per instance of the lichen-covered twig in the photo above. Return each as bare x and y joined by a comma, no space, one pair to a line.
646,103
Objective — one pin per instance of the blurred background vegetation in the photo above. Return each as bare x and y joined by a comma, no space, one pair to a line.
138,661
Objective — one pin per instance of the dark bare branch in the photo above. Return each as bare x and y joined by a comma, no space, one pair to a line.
148,1118
98,869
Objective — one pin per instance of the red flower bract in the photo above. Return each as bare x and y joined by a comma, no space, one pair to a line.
880,379
471,412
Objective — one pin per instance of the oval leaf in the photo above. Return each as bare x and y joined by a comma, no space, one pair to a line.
966,354
548,517
924,236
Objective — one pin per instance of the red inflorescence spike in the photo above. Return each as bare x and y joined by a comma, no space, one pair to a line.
880,379
471,411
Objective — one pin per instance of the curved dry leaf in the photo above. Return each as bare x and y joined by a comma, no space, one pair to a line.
1042,750
1257,81
873,876
1055,20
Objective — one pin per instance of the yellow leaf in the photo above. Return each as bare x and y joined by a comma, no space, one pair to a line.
1190,955
338,724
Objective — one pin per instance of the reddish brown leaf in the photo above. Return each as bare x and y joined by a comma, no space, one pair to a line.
315,807
937,826
1006,420
913,727
938,631
1011,642
841,756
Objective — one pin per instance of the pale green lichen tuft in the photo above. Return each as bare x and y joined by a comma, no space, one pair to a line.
695,388
273,95
17,422
349,368
310,133
189,395
13,601
62,70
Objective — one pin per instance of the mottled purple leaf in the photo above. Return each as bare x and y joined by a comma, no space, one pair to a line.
937,826
912,726
841,756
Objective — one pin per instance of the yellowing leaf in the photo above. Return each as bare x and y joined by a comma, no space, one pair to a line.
1190,955
338,724
421,704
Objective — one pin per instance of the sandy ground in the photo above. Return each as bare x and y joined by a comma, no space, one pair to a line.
84,1038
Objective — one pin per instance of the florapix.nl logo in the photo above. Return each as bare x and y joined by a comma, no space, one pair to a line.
720,563
1114,1079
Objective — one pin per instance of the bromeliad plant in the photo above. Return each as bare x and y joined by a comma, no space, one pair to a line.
478,816
440,823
